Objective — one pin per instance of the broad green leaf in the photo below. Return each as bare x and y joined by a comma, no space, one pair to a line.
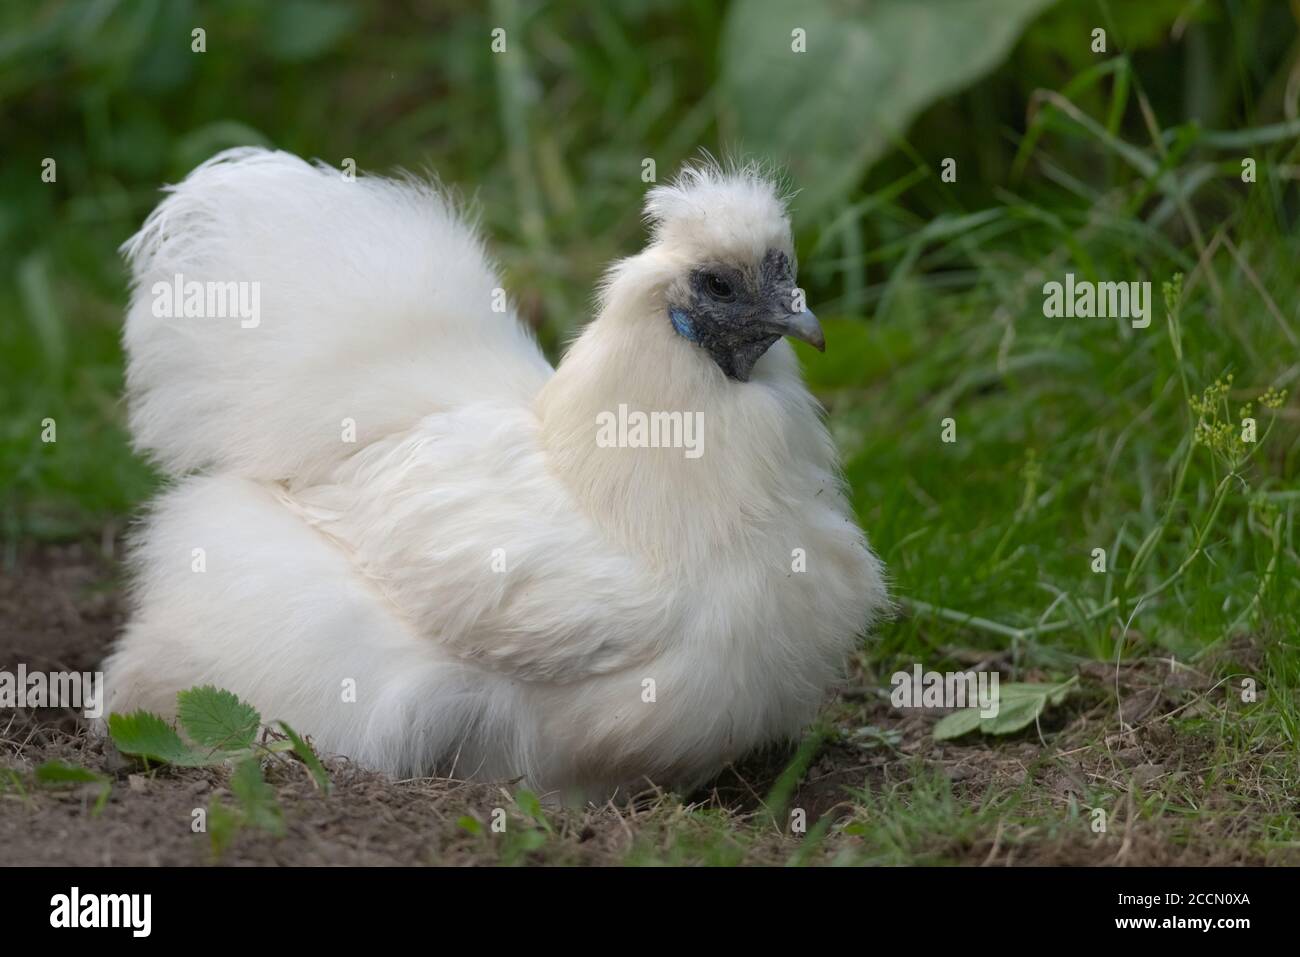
1014,713
470,824
218,719
1025,689
309,758
1019,705
299,30
146,735
956,724
869,67
256,797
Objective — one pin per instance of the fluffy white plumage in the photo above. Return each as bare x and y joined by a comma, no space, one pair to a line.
377,561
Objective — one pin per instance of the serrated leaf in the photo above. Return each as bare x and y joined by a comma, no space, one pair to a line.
308,757
146,735
218,719
257,798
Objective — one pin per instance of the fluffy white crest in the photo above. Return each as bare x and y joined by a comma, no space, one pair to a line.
710,211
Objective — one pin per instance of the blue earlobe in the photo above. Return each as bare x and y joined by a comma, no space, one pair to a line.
682,323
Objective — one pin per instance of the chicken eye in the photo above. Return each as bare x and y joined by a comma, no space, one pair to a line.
718,288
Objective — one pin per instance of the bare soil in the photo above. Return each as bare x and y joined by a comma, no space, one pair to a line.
60,607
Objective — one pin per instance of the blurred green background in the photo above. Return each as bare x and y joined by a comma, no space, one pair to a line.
1122,164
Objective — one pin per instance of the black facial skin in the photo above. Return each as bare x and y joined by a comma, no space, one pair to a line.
736,316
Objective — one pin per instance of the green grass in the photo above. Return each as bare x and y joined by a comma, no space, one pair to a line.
1072,434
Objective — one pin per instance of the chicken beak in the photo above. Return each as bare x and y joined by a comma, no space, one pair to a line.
804,327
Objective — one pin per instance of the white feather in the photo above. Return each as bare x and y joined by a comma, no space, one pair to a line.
376,306
380,563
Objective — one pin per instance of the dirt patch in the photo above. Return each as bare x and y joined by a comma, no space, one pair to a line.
874,787
60,607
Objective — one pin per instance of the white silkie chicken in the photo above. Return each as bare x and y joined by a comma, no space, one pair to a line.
394,526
